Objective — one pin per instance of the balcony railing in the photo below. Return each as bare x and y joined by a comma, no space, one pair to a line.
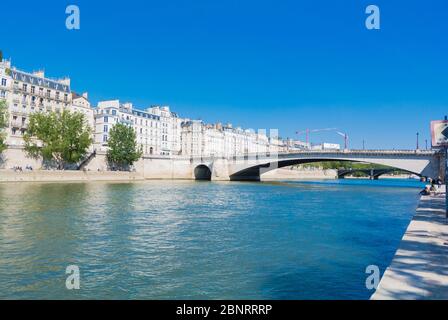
18,124
21,112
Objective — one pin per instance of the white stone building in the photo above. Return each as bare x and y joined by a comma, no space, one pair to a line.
26,93
159,131
326,146
170,130
199,139
30,92
146,125
81,103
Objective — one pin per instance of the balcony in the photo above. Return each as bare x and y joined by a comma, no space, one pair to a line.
19,112
18,124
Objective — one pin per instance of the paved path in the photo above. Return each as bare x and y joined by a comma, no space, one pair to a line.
419,269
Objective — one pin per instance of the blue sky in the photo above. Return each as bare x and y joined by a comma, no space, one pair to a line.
289,65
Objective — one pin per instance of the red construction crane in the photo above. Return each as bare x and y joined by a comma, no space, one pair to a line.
308,131
345,139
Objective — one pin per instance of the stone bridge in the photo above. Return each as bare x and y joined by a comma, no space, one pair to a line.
251,167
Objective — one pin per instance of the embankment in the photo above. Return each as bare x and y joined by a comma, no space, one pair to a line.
288,174
67,176
419,269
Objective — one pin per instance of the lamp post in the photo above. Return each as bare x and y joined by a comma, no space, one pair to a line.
363,144
417,141
446,177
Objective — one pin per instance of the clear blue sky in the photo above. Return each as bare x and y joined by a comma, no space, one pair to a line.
289,65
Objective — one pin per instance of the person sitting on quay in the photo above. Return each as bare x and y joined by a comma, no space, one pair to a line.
433,187
426,191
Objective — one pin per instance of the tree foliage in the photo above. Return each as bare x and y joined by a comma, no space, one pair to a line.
344,165
123,150
3,124
59,138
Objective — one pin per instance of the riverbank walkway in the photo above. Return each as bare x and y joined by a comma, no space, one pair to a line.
419,269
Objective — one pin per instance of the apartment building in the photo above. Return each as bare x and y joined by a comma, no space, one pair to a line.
26,93
146,125
159,131
217,140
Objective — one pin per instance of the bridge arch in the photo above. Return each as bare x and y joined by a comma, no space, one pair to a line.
370,172
253,172
202,172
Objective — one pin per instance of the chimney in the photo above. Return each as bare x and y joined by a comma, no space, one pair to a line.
39,73
65,81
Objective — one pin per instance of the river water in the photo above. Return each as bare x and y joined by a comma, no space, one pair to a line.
200,240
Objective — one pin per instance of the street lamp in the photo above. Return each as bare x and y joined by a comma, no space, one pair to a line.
417,141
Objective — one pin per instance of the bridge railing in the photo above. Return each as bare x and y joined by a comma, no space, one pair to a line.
263,155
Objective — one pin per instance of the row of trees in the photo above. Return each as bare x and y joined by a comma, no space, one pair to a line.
62,140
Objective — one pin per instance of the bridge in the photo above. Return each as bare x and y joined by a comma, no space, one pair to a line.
373,174
424,163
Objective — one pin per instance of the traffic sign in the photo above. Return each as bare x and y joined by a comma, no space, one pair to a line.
439,133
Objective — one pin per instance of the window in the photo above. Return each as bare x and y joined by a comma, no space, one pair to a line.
104,138
105,128
33,89
65,97
114,112
4,82
106,119
24,86
48,93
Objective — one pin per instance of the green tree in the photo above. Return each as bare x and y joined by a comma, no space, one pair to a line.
123,150
3,124
59,138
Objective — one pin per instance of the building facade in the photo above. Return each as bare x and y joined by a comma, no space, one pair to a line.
146,125
159,131
81,103
217,140
26,93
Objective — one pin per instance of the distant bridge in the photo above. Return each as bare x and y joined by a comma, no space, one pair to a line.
373,174
250,167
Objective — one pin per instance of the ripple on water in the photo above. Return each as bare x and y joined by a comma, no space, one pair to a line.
187,240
